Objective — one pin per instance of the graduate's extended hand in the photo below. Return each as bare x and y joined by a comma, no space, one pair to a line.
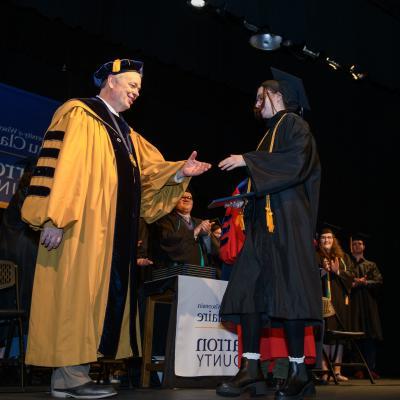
193,167
232,162
51,237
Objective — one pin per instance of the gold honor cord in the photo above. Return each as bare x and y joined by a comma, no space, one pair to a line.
328,289
346,298
268,210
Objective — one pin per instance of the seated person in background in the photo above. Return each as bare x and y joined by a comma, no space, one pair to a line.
178,238
142,257
216,231
19,243
212,242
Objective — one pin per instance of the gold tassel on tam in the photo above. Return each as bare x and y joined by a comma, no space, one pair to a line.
116,65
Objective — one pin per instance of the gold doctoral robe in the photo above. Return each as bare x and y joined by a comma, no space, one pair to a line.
75,188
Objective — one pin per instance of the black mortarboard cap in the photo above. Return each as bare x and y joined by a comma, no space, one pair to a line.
116,67
326,226
292,89
360,236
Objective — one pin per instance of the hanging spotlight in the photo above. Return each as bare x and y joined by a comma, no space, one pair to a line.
355,74
250,27
310,53
332,63
197,3
266,41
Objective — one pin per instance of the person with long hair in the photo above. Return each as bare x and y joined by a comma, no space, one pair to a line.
275,277
336,276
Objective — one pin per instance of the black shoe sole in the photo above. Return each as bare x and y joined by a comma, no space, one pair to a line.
307,392
255,389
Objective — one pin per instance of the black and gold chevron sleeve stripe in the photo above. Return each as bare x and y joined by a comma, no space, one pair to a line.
54,135
42,178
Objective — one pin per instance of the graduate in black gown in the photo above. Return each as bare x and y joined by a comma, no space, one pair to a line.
336,277
275,277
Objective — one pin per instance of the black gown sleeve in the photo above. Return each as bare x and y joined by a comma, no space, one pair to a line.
289,164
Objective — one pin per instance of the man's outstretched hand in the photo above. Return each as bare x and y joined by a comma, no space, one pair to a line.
193,167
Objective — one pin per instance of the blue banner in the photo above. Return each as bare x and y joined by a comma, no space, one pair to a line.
24,118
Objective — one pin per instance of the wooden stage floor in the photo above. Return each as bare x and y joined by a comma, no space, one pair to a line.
384,389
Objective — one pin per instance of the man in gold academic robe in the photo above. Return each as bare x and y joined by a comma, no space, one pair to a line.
94,177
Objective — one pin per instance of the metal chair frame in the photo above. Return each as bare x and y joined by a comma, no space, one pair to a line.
13,318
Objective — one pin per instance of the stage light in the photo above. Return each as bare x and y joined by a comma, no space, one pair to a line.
332,63
266,41
310,53
355,74
197,3
250,27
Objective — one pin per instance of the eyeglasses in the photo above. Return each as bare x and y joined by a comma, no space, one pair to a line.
187,197
327,237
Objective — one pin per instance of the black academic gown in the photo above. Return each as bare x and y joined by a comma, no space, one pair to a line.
364,300
19,244
276,274
174,242
340,287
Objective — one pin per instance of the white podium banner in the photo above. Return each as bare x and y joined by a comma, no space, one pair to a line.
203,347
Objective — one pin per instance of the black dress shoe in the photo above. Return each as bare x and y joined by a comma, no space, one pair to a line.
299,384
88,390
249,378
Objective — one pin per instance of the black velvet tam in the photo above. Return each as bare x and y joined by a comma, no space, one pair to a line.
116,67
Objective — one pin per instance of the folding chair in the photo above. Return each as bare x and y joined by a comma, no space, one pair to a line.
349,337
12,318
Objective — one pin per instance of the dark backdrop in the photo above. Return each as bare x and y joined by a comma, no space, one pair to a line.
199,86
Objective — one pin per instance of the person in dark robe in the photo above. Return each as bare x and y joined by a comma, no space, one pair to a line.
336,277
179,238
365,317
94,177
275,277
213,244
19,243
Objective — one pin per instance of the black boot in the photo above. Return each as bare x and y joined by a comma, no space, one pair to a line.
249,377
299,384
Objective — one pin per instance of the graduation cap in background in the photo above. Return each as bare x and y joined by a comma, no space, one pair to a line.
341,234
292,89
326,226
116,67
359,236
344,235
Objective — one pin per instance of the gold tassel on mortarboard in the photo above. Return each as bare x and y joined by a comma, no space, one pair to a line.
116,65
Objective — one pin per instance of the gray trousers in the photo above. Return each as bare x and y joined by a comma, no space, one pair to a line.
69,377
